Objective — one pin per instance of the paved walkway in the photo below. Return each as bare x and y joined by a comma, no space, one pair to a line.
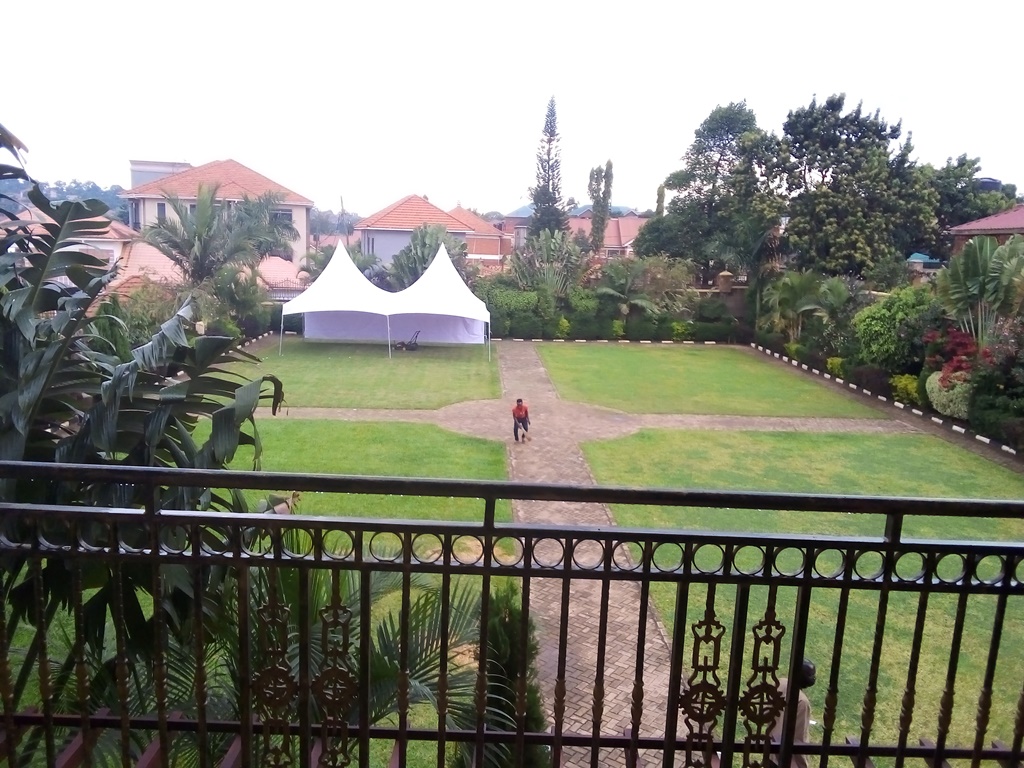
555,456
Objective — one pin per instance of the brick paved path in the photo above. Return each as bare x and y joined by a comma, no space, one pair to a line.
554,455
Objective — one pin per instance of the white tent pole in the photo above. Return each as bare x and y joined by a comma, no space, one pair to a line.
388,317
280,338
488,341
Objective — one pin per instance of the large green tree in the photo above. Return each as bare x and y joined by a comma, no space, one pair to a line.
600,190
695,217
548,211
961,198
855,194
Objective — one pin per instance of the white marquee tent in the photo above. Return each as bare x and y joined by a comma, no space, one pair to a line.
342,305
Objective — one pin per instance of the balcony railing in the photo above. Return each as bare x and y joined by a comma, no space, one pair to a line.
151,636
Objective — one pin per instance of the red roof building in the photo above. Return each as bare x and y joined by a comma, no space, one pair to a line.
154,182
388,231
619,233
1000,226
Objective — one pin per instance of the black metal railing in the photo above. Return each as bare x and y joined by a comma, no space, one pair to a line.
151,636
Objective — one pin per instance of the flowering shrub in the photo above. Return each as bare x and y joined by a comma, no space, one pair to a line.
953,399
904,388
997,398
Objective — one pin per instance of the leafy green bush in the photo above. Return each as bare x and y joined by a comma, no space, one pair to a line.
583,300
509,301
871,378
952,400
922,388
525,325
618,329
506,656
835,366
584,325
717,332
564,328
890,331
997,397
640,328
681,330
711,309
772,341
793,349
904,388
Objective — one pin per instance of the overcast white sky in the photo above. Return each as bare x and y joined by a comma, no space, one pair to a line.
377,99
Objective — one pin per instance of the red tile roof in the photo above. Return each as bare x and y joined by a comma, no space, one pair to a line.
1007,222
409,213
478,225
619,233
234,179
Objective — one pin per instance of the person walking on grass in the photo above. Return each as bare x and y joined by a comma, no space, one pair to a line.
521,420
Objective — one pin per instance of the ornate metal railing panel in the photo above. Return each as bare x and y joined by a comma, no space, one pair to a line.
151,636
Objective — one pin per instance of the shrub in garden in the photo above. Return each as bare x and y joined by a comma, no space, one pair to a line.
997,396
952,397
681,331
889,332
922,387
618,329
640,328
506,657
525,325
712,310
564,327
794,349
835,366
871,378
770,340
904,389
718,332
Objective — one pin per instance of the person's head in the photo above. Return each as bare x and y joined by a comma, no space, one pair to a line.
808,674
519,401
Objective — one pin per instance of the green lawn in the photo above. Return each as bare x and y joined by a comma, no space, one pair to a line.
323,375
899,465
381,449
684,379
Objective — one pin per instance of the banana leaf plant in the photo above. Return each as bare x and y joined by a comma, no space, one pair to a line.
65,396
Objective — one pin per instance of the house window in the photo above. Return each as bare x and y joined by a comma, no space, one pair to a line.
191,209
281,217
161,212
371,246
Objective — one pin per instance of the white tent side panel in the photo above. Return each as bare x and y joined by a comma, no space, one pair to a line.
346,326
438,329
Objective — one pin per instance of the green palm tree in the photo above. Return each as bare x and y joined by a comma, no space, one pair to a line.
260,219
623,283
413,260
204,241
791,298
982,284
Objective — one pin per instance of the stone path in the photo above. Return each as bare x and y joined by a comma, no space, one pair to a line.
554,455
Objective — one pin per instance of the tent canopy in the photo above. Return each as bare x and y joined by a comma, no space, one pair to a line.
342,305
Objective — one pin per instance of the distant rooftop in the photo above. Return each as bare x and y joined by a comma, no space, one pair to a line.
234,181
1005,223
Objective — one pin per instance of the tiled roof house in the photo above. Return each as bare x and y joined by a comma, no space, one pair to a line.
1001,226
388,231
153,181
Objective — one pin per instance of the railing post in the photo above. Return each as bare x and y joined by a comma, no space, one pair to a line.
485,617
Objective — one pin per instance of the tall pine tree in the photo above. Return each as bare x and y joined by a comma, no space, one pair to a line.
600,189
548,213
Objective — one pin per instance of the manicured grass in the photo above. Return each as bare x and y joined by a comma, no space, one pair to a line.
380,449
678,379
903,465
325,375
